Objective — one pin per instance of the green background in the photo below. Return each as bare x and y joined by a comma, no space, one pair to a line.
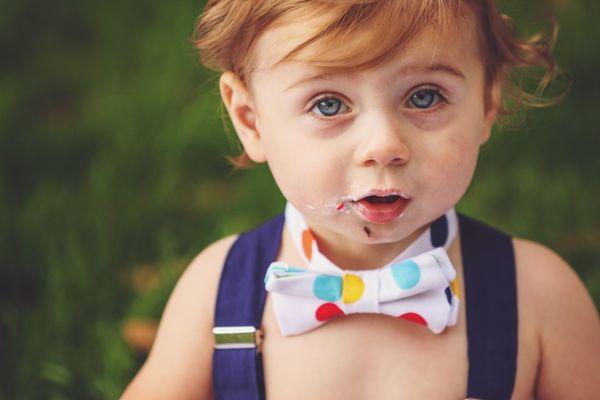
111,163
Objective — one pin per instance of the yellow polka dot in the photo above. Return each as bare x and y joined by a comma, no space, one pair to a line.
352,289
455,288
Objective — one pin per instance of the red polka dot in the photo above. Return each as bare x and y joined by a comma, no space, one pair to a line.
414,317
328,310
307,240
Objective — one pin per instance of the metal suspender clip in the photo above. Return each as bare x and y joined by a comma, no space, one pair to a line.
237,337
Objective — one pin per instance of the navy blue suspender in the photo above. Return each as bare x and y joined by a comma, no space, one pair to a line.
237,363
490,285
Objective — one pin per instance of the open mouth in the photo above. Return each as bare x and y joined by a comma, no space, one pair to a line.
381,209
381,199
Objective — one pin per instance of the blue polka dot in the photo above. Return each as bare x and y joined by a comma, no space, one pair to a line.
406,274
448,295
328,287
439,231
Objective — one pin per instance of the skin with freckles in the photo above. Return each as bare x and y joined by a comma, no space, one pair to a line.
391,127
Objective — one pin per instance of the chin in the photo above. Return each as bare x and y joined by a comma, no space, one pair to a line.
368,233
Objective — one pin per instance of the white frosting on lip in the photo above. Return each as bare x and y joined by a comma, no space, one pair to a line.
384,193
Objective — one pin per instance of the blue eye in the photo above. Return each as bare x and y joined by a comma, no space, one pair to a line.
425,98
327,106
330,106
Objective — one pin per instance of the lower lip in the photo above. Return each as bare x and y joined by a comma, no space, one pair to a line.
381,213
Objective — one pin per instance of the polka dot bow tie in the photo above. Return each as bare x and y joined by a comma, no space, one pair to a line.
418,285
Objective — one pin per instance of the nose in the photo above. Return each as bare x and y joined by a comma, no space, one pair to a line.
383,145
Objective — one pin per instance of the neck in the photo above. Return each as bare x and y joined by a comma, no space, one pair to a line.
351,255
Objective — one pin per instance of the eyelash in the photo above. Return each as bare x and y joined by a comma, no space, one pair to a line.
436,91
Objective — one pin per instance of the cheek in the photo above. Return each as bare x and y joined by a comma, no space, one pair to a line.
451,167
304,170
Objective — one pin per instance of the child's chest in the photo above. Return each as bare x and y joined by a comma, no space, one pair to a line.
360,356
364,356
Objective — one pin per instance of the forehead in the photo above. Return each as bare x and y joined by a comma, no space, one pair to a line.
458,43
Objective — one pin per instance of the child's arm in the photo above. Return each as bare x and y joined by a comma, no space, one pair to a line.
569,331
180,363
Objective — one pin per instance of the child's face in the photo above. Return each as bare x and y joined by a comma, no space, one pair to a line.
384,128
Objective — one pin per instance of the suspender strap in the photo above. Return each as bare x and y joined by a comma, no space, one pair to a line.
237,362
491,306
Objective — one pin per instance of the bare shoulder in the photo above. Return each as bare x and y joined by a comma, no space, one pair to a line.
179,364
548,281
567,322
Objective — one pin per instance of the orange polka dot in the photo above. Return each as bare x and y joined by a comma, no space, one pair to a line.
455,288
307,241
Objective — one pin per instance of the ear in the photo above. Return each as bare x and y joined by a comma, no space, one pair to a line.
240,107
492,111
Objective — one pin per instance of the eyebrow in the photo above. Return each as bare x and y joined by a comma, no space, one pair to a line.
407,69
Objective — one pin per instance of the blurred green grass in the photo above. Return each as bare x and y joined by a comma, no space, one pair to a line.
111,161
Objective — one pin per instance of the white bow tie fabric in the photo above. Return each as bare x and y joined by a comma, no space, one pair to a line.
418,285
